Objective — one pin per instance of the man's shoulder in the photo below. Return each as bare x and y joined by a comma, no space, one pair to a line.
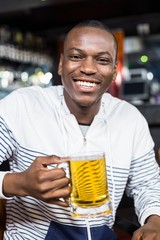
116,106
117,102
33,93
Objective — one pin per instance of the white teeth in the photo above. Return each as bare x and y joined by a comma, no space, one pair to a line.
86,84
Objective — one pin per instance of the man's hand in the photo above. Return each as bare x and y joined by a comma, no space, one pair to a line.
47,184
149,231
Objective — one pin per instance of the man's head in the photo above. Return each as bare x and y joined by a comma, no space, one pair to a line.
88,63
95,24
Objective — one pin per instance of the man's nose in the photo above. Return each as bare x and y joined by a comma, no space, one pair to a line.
88,66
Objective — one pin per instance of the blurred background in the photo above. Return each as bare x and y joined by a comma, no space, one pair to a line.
32,33
31,37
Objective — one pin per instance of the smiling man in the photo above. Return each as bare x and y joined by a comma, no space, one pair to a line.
54,122
87,67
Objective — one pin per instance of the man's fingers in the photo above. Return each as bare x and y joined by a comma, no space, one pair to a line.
52,159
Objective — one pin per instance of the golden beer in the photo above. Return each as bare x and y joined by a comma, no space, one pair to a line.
89,188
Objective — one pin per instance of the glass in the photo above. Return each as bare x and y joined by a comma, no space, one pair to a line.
89,189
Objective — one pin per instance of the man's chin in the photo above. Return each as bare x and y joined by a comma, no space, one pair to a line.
85,104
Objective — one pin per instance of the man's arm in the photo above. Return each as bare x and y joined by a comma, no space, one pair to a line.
38,181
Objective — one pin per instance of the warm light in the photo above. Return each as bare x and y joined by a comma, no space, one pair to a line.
46,78
24,77
4,83
150,75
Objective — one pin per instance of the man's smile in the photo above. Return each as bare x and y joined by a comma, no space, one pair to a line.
86,84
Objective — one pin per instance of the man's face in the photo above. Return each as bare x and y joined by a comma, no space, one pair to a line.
87,66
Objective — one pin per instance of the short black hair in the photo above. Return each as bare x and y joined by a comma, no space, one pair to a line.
93,23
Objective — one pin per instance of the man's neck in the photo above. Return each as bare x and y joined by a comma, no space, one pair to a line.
83,114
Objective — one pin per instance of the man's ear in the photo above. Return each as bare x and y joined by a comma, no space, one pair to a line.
115,71
60,65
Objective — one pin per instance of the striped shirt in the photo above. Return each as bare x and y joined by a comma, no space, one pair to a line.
36,122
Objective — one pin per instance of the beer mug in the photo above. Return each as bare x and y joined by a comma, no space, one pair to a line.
89,189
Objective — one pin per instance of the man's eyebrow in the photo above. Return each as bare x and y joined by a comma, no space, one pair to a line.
73,48
104,52
97,54
80,50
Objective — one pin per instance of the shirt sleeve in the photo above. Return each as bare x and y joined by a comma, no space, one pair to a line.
2,174
7,148
144,186
144,177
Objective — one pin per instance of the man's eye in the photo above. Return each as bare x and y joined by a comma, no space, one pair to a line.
75,57
103,60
